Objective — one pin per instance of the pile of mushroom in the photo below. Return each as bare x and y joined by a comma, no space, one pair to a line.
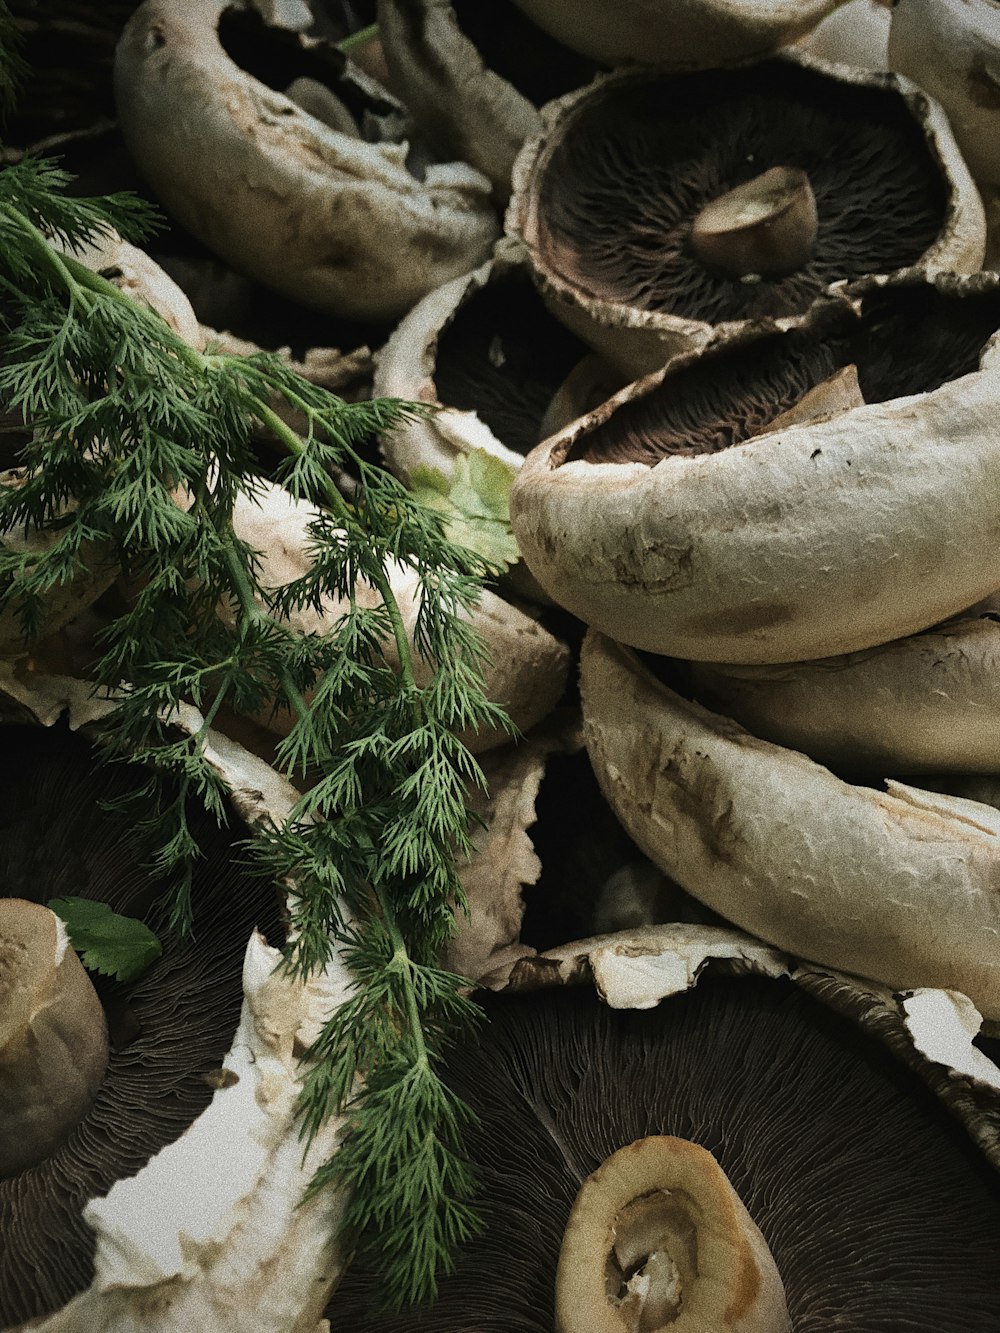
745,825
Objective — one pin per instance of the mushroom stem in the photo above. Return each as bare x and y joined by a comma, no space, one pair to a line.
765,227
658,1239
53,1038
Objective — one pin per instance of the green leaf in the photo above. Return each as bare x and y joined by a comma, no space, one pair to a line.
475,503
116,946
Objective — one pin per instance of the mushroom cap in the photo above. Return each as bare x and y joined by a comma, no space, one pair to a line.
329,220
863,1188
929,703
527,669
53,1038
897,885
661,521
856,33
615,263
677,34
952,50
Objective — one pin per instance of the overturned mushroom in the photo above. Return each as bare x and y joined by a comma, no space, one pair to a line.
613,198
875,1213
924,704
896,885
53,1038
804,541
335,222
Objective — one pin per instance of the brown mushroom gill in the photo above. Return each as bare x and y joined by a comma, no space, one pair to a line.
169,1029
909,340
634,166
879,1214
504,356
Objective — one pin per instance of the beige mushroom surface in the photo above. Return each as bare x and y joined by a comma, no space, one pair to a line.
928,703
317,213
896,885
676,519
616,260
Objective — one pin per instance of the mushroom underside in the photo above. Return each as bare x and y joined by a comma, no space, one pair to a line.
634,165
169,1030
909,340
879,1214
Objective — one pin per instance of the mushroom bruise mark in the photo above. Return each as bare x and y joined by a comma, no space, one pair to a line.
504,356
879,1213
57,839
908,340
634,166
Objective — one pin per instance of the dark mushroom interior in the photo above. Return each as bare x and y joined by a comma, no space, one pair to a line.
909,339
169,1030
880,1215
538,66
504,356
634,164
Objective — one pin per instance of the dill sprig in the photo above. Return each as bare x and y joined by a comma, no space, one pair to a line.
140,449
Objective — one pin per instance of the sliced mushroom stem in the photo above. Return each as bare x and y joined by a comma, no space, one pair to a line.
658,1240
765,227
53,1038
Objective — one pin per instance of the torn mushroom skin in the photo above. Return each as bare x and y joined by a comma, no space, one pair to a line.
319,214
657,1237
53,1037
897,885
682,517
638,274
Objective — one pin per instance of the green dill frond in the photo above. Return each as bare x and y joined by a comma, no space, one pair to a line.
12,66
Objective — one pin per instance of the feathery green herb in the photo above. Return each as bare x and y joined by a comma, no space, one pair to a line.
126,418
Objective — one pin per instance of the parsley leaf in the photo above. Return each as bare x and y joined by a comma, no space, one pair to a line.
116,946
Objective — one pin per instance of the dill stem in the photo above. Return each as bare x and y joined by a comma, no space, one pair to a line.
401,955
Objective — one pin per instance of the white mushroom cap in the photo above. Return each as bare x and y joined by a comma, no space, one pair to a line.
678,34
819,538
327,219
929,703
856,33
53,1038
951,48
899,885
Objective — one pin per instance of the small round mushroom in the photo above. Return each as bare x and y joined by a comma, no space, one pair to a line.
690,516
929,703
613,196
677,34
657,1237
896,885
53,1038
951,48
337,223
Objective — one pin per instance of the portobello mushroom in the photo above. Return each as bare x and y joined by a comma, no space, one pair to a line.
684,517
607,198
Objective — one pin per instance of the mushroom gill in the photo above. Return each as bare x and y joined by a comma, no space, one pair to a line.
877,1210
169,1030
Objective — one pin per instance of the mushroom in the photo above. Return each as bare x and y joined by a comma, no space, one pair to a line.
527,666
474,75
487,350
657,1236
952,50
876,1212
175,1202
896,885
641,271
674,517
337,223
53,1038
694,34
856,33
928,703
